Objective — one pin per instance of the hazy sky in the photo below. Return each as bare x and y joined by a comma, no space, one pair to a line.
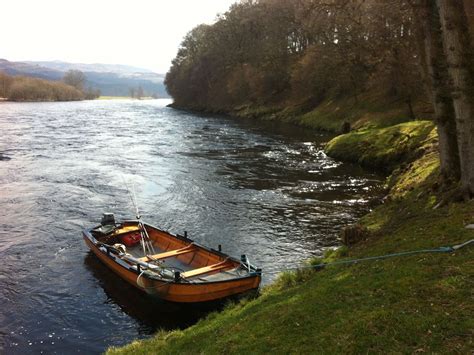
143,33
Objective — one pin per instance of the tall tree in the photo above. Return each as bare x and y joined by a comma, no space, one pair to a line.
459,54
436,77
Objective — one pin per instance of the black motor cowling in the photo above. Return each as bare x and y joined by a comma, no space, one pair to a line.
108,219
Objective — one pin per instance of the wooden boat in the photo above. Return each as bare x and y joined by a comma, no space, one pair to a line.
171,267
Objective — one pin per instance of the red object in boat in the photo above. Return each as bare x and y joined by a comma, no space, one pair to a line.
130,240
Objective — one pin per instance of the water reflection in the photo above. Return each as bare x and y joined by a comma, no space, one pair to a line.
151,313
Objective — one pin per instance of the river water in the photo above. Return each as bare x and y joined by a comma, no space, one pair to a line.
256,188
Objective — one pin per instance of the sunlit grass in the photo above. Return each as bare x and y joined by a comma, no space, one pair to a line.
371,110
384,148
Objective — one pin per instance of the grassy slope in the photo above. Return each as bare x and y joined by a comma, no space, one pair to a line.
384,148
371,110
420,303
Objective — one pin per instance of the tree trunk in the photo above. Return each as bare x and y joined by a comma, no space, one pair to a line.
436,78
411,112
458,51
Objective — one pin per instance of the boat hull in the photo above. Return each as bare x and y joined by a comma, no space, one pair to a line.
175,291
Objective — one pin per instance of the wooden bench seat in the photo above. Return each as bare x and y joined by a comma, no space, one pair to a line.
207,269
126,229
169,254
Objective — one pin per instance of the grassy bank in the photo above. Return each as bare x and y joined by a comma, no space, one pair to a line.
420,303
370,110
384,148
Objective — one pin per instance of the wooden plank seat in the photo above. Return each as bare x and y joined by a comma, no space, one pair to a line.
169,254
207,269
126,229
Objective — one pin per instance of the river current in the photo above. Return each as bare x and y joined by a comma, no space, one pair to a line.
257,188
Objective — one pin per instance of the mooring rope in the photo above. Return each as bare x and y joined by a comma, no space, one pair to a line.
142,285
445,249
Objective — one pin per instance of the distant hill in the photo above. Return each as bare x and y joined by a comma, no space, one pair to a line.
96,67
111,79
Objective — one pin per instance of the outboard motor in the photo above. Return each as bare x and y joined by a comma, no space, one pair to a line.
108,219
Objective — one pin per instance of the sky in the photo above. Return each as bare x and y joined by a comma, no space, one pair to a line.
142,33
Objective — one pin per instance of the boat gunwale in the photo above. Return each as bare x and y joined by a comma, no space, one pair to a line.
184,238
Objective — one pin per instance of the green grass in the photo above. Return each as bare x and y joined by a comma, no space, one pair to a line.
384,148
414,304
370,110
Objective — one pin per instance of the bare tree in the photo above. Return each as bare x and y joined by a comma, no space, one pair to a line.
75,78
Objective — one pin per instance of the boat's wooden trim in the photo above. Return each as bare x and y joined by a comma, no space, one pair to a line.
207,269
169,254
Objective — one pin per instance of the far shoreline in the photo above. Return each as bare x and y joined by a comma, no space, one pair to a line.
101,98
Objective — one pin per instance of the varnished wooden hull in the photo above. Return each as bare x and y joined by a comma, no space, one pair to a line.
175,291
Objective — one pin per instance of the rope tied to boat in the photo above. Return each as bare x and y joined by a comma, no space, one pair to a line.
443,249
152,288
138,279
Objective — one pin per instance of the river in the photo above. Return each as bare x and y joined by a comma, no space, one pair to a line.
257,188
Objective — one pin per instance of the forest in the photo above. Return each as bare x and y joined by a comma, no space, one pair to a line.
302,53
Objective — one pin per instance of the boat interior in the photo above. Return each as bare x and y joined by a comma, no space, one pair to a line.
175,253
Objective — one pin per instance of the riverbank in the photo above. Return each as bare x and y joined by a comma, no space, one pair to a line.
419,303
387,148
370,110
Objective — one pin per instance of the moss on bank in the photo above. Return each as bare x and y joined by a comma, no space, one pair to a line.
370,110
384,148
420,303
